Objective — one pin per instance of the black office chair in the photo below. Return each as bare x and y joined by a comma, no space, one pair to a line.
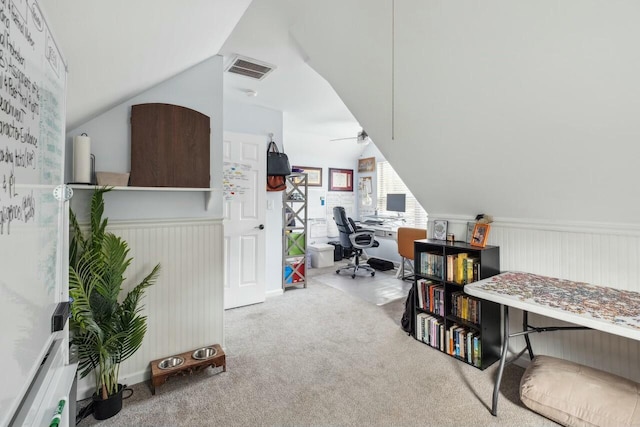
354,239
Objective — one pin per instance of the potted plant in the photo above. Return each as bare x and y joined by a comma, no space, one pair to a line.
105,329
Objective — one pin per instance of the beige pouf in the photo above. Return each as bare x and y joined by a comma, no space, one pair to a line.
577,395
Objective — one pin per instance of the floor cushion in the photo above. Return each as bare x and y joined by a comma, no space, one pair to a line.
576,395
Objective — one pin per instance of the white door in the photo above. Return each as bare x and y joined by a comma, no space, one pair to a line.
244,218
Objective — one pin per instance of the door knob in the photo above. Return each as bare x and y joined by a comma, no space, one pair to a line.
260,227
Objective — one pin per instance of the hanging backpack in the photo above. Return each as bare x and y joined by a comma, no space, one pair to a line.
408,321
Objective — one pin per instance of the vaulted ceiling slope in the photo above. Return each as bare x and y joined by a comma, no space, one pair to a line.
518,109
309,104
118,48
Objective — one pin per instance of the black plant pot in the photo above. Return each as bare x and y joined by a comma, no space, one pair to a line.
107,408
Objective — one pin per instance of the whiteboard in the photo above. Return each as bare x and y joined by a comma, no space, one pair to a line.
345,199
32,259
316,202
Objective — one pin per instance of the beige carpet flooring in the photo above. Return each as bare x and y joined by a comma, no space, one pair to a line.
323,357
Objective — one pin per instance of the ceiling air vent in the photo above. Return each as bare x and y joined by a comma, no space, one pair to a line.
249,68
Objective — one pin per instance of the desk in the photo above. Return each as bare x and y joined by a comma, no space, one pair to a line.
387,237
605,309
381,230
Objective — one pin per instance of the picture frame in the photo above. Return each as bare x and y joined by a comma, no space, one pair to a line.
367,165
440,229
340,179
480,235
314,175
470,226
365,190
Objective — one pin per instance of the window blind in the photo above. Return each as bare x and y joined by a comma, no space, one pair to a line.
390,183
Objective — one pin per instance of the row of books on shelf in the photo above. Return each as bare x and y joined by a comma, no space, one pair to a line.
465,307
431,296
456,340
460,268
431,264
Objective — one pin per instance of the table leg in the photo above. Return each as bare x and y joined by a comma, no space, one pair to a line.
503,359
525,327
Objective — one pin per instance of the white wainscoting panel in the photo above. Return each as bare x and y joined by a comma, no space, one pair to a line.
602,254
184,308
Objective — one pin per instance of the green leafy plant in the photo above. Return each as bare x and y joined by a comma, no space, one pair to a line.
105,331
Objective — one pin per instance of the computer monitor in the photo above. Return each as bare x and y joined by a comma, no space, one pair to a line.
396,202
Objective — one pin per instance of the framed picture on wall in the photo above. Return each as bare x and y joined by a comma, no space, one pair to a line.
480,234
365,190
340,179
314,175
367,165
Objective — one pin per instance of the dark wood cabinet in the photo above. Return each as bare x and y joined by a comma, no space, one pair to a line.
170,146
447,319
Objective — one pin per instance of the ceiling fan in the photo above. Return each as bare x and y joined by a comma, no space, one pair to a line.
361,138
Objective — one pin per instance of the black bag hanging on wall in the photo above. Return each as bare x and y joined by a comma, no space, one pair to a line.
277,162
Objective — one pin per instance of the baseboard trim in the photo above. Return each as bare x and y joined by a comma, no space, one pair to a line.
274,293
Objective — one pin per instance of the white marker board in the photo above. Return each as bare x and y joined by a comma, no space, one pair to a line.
32,116
345,199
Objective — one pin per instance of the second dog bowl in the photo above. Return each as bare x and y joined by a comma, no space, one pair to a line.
204,353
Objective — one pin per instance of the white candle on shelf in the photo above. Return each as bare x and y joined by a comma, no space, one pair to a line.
82,159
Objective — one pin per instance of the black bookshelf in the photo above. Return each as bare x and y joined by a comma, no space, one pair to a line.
440,319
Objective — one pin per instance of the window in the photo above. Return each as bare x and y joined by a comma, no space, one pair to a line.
390,183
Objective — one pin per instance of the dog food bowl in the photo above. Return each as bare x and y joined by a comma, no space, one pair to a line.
170,362
204,353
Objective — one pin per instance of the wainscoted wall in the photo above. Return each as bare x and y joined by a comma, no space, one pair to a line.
184,308
602,254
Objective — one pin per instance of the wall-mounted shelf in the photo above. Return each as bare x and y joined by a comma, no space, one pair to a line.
207,191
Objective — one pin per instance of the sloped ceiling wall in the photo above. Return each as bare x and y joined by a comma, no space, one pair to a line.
518,109
117,49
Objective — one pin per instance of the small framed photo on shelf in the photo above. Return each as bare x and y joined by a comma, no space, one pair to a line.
440,229
340,179
480,234
314,175
470,226
367,165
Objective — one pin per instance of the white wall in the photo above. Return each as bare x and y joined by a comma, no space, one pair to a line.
313,150
198,88
171,228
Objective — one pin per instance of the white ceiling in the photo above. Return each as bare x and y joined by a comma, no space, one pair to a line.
528,113
117,49
308,102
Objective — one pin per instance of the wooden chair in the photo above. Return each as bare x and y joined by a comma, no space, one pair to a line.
406,237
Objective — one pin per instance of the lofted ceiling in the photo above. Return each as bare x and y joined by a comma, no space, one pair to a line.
117,49
524,110
517,109
308,102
